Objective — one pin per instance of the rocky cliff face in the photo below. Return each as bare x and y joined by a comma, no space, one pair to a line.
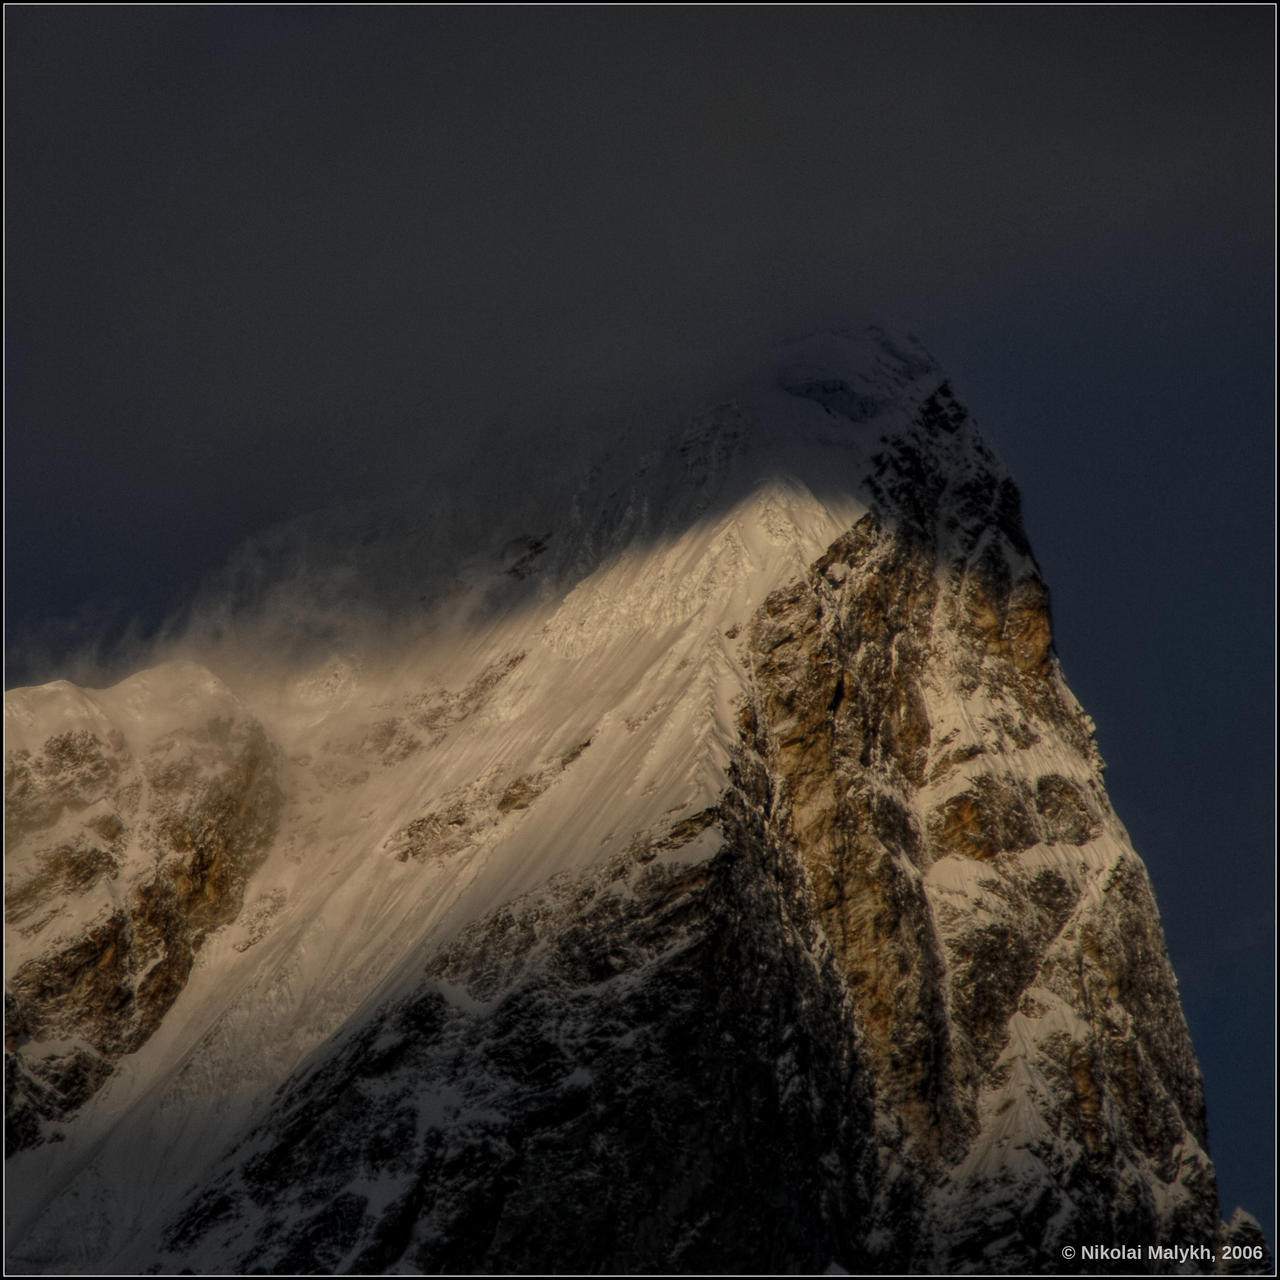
751,903
130,836
998,938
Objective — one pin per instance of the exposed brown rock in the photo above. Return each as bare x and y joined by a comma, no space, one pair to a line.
471,810
181,856
845,729
931,600
1064,811
993,816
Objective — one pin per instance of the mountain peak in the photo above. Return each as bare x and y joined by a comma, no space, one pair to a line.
868,357
703,832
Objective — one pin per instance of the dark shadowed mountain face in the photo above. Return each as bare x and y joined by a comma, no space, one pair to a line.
714,875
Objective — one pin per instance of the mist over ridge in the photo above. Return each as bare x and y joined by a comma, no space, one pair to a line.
368,571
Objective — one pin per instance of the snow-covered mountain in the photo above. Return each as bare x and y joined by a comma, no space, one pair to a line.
708,870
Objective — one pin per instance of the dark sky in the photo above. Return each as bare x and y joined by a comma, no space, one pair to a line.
263,258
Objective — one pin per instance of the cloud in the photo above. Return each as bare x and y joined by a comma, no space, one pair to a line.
269,260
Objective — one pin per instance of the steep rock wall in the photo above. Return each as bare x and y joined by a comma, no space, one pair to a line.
997,934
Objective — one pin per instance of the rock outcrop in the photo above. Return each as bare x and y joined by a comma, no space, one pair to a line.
131,835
